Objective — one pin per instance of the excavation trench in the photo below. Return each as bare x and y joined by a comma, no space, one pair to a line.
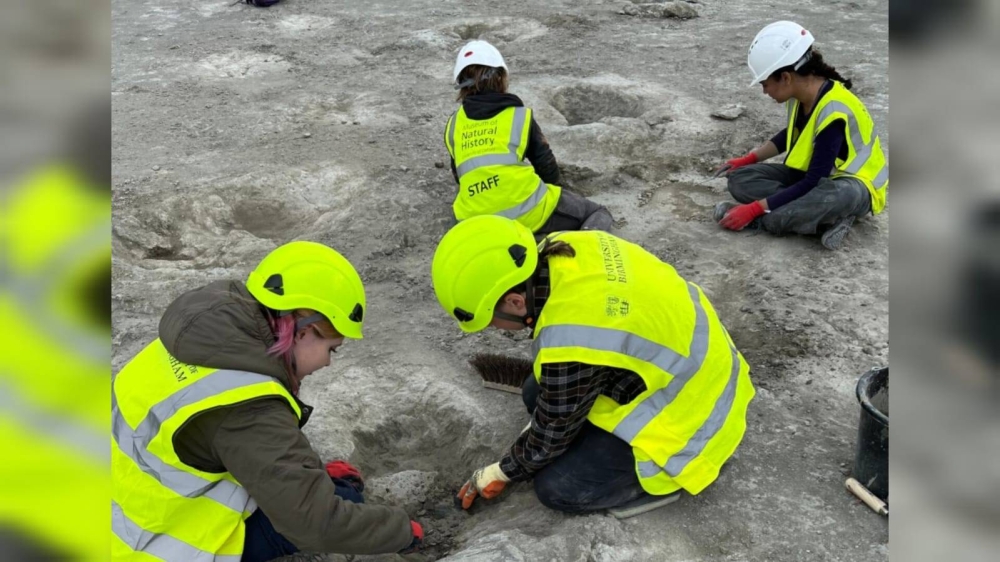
418,460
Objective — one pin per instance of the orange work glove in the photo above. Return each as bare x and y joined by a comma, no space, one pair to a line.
486,482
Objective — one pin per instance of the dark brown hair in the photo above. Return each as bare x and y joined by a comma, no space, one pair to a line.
484,79
815,66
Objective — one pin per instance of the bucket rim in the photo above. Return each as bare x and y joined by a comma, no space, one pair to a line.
867,380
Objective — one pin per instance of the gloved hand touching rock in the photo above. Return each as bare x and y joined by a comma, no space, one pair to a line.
418,538
487,482
738,217
344,470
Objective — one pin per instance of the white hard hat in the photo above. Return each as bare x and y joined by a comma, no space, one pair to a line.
780,44
478,52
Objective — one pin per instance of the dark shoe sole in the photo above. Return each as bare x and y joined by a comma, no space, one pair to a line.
833,238
721,209
644,504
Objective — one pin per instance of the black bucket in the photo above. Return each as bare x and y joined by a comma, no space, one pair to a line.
871,457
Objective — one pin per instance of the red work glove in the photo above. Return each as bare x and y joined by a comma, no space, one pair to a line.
346,471
738,217
734,163
418,538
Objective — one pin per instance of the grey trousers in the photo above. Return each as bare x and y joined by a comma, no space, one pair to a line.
575,212
828,202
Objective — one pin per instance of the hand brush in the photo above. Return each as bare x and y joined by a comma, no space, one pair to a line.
502,372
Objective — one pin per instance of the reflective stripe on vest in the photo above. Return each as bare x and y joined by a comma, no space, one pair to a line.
159,545
528,204
508,159
632,345
862,150
678,461
135,442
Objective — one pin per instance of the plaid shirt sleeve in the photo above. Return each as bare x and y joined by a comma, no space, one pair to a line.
567,392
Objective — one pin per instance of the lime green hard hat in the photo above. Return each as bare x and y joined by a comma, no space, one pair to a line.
311,275
476,262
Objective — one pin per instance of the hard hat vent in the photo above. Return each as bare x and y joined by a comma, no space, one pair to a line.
357,314
275,284
519,253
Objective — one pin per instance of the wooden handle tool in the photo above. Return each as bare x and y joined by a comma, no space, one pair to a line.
870,499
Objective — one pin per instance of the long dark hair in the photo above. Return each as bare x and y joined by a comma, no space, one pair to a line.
815,66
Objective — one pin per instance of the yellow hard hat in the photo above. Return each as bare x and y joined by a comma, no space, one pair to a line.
310,275
476,262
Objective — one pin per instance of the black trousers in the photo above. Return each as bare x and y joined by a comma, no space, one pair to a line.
575,212
596,472
828,202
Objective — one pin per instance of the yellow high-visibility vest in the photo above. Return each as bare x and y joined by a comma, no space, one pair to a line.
865,160
617,305
161,508
493,177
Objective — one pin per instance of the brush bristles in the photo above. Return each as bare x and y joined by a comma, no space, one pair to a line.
501,370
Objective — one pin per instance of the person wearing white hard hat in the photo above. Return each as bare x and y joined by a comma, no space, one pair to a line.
489,138
834,169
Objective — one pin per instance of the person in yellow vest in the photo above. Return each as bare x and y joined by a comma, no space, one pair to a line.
489,138
208,458
834,169
638,391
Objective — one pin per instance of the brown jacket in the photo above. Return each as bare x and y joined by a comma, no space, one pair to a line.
259,442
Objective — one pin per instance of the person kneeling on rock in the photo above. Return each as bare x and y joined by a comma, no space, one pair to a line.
208,460
489,138
834,171
638,391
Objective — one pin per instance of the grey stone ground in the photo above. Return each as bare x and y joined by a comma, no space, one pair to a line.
237,129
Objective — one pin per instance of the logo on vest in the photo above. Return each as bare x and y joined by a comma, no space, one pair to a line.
179,369
614,263
615,306
483,135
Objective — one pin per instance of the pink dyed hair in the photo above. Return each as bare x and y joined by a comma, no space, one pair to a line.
284,331
284,335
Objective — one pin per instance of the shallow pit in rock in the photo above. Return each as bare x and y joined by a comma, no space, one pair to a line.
584,103
418,460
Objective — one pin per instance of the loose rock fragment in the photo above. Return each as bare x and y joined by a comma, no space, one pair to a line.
679,10
729,112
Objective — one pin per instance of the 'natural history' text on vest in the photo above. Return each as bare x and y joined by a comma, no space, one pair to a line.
483,135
